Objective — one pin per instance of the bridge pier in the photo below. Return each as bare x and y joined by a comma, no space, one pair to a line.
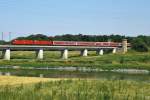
114,50
64,54
6,54
100,52
84,53
39,54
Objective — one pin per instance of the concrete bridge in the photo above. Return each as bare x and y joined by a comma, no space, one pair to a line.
6,49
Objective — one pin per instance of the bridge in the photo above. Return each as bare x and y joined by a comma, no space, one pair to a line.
6,49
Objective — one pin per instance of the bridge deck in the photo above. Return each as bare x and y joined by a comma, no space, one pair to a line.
34,47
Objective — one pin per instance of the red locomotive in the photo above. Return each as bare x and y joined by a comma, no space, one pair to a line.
66,43
31,42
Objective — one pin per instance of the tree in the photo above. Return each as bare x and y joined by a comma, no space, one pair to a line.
139,45
2,42
35,37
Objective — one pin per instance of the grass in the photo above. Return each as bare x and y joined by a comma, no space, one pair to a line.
25,88
79,89
13,80
107,61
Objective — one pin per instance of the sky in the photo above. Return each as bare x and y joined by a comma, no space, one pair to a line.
91,17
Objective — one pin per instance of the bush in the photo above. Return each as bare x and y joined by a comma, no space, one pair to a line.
139,45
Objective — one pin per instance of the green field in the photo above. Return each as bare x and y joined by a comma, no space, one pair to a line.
107,61
110,88
78,90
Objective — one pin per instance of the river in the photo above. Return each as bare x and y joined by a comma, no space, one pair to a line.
61,72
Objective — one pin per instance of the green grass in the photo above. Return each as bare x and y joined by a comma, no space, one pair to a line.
107,61
78,90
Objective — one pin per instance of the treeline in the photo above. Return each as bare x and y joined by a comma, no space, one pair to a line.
140,43
34,37
80,37
2,42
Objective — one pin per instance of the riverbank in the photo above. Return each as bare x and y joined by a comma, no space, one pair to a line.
14,80
79,89
131,60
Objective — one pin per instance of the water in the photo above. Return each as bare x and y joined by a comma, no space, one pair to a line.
55,73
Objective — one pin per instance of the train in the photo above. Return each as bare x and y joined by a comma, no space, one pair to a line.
65,43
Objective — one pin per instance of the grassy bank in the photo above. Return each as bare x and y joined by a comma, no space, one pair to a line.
107,61
13,80
77,90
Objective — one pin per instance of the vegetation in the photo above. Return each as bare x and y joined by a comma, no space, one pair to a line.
107,61
79,37
79,89
35,37
139,45
13,80
2,42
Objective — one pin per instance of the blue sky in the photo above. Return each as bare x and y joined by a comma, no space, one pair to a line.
55,17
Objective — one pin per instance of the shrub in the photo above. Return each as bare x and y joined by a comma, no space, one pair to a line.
139,45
